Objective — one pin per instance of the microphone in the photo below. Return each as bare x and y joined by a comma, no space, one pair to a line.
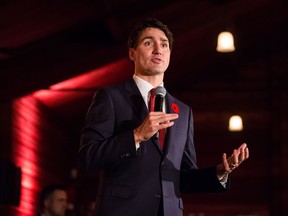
160,93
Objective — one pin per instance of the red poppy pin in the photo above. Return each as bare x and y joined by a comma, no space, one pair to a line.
175,107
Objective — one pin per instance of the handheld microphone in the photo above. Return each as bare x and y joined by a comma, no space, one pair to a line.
160,93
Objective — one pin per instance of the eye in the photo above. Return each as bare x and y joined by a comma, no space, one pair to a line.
165,45
147,43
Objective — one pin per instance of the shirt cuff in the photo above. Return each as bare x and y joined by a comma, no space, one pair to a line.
137,146
223,180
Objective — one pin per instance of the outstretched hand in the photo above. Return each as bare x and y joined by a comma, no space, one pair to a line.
229,164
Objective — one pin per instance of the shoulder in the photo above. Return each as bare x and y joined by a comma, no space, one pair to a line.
123,86
116,92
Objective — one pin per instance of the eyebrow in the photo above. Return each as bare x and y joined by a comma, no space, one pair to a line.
151,37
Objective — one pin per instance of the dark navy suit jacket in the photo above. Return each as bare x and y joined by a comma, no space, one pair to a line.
133,183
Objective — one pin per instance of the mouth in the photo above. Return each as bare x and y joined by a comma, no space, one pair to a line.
156,60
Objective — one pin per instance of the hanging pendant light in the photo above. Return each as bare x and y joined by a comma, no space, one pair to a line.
225,42
235,123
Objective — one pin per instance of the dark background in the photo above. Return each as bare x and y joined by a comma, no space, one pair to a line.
43,43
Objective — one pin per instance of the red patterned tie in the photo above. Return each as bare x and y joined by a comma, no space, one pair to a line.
152,99
161,133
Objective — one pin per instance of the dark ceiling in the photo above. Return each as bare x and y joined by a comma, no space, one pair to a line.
46,42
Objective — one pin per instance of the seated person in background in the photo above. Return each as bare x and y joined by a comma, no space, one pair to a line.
53,201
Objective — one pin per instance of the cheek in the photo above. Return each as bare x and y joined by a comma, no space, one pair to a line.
143,59
167,60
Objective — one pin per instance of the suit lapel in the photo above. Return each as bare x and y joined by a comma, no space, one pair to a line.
170,132
136,100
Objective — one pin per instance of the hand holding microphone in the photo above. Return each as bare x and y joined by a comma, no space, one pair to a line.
157,97
155,120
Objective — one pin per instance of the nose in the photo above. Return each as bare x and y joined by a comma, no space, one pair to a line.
157,49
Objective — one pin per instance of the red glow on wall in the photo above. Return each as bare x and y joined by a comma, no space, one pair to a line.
27,121
56,98
99,77
24,151
76,88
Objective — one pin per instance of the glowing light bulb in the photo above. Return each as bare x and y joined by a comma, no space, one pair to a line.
225,42
235,123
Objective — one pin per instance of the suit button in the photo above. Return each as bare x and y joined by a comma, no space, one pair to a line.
157,196
125,155
163,166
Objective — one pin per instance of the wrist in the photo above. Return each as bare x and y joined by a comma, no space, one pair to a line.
220,171
137,136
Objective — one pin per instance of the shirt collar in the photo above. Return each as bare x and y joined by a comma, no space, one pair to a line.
144,87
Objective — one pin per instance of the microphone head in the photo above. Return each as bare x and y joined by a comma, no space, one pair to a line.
160,91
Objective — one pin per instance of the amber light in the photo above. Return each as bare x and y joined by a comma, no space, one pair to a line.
235,123
225,42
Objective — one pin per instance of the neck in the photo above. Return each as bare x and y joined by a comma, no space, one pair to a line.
154,80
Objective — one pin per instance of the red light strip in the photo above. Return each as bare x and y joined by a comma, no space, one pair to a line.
25,142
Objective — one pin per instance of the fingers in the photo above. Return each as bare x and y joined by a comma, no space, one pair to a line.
160,120
230,164
238,156
163,116
243,153
152,123
247,153
243,146
225,161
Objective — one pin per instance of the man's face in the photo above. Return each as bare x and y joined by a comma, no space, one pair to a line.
56,205
152,55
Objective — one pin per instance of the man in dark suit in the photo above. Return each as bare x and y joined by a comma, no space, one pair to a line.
138,177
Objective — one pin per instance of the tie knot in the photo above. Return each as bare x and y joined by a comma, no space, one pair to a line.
152,91
152,99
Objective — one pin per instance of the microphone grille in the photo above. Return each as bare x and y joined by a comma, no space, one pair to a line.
160,91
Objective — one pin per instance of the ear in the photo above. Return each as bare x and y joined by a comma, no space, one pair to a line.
131,54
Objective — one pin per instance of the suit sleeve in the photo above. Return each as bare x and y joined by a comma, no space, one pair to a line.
193,179
101,147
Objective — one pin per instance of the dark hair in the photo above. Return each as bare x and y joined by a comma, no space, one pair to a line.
148,23
47,191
